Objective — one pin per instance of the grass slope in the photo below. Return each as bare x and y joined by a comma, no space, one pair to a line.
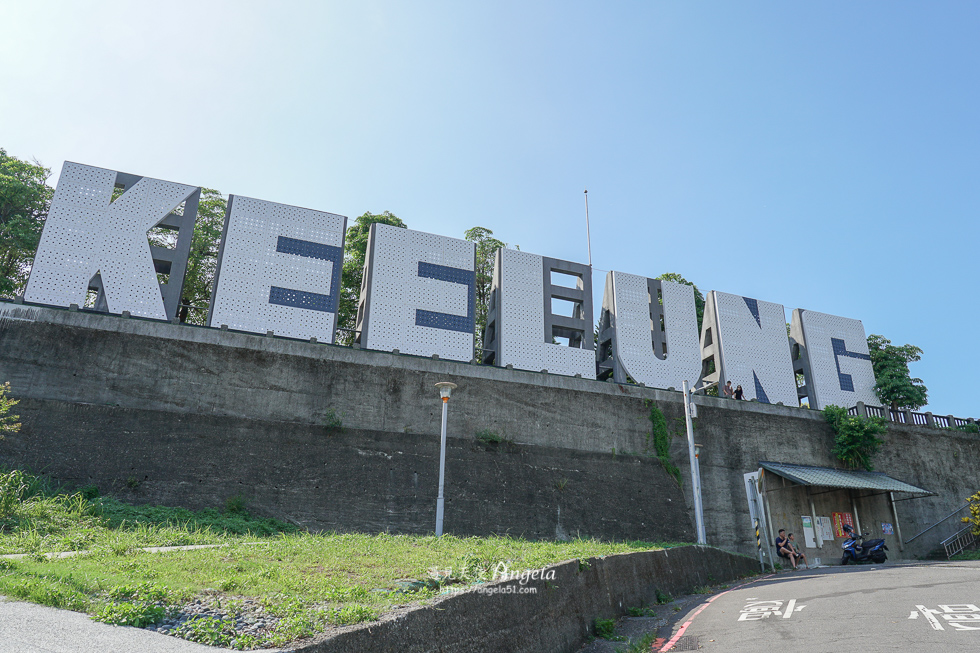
303,583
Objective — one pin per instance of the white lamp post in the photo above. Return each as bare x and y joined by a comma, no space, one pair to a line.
689,412
445,390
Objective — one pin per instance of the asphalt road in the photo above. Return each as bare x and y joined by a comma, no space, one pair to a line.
931,607
29,628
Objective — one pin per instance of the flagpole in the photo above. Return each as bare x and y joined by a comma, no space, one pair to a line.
588,232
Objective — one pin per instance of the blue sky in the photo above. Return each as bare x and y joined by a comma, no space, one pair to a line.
820,155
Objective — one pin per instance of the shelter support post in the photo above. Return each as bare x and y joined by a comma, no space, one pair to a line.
898,527
813,516
854,509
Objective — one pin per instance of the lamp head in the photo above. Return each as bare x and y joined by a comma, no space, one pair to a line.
445,389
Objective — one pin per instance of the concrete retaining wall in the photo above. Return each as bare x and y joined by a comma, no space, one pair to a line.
355,480
558,617
208,410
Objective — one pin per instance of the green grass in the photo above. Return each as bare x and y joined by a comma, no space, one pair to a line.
309,581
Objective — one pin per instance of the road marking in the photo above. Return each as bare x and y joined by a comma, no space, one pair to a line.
959,616
680,632
788,612
756,610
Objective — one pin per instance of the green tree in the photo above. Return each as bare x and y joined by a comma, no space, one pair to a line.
203,257
486,249
24,201
856,440
894,384
355,252
203,260
698,297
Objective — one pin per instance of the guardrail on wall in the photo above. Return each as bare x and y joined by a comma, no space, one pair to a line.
910,417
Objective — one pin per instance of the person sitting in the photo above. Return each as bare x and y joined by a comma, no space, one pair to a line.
796,551
783,548
728,390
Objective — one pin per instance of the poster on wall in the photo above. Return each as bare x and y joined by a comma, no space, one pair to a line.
808,532
840,520
826,528
887,528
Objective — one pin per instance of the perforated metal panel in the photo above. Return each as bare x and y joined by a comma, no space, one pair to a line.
420,294
839,367
521,319
753,349
84,234
279,270
635,319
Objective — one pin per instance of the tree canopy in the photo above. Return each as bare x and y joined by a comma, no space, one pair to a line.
698,297
486,250
24,201
203,260
894,384
355,252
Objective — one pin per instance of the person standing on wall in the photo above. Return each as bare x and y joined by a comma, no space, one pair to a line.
738,393
729,392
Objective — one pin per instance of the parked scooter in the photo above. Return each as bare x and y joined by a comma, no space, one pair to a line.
857,550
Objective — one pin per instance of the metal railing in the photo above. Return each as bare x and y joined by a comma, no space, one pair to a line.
959,541
910,417
949,516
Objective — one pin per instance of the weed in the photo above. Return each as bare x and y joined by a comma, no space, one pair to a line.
12,488
235,505
642,645
663,598
489,437
331,422
132,483
561,484
661,442
641,612
604,628
701,589
8,423
89,492
246,643
138,614
207,630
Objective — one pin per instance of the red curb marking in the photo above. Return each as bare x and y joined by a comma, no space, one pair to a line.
680,633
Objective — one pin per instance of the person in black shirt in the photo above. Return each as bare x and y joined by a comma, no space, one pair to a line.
783,547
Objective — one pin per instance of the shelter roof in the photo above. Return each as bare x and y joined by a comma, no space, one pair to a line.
840,478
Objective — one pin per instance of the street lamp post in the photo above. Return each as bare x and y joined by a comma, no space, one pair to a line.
445,390
695,464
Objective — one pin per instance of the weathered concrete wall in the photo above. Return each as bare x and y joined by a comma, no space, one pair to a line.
222,394
557,618
353,480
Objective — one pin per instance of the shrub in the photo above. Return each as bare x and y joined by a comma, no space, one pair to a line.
974,518
8,423
856,438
